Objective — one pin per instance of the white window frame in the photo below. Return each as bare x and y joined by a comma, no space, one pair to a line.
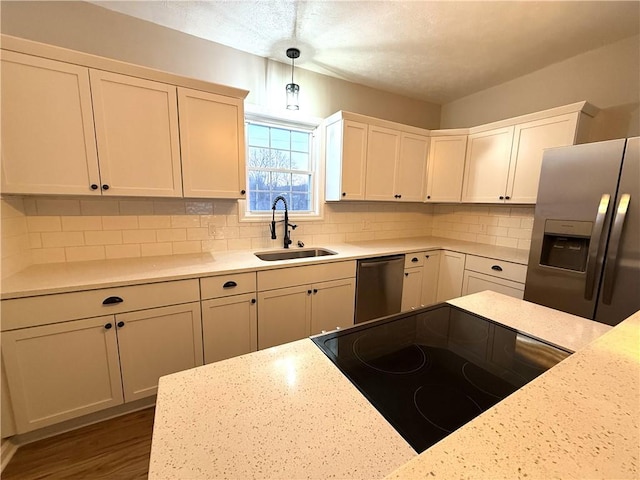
308,124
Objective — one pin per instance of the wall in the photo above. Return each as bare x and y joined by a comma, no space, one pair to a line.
608,77
16,252
92,29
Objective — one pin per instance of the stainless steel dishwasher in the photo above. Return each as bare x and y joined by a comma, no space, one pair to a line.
379,287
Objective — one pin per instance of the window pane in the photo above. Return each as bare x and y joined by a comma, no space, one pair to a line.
260,201
300,201
299,161
258,181
259,158
280,205
281,181
280,139
258,135
300,141
301,183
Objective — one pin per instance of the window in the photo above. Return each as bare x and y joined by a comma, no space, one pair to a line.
280,161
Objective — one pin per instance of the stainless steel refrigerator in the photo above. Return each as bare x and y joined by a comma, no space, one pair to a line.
585,248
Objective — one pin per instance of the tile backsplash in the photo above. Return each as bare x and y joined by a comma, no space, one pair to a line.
39,230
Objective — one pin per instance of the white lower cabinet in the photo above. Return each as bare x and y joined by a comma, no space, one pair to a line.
483,273
430,272
157,342
62,371
420,285
296,302
411,289
229,327
450,276
66,367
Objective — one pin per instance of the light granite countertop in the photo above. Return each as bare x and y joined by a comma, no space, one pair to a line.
68,277
288,412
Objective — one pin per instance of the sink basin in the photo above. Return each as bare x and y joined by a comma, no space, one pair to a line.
293,254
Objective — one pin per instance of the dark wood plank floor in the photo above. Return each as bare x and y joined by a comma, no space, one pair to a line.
114,449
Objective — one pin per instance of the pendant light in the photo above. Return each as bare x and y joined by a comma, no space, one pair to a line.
293,88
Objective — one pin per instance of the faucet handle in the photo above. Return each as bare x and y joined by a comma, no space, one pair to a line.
293,227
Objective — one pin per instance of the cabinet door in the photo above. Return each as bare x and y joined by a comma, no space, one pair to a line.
137,133
430,272
48,138
478,282
412,167
383,152
450,276
61,371
529,141
411,289
229,327
284,315
487,166
346,156
157,342
446,168
212,145
8,426
332,305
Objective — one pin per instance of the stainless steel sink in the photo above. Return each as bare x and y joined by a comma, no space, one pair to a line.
293,254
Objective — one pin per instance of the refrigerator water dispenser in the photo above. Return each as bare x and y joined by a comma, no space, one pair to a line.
566,244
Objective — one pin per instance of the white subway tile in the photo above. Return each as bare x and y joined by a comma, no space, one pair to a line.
497,231
100,206
35,240
13,226
217,220
521,233
204,207
136,207
524,244
197,234
44,224
48,255
171,235
12,207
239,244
122,251
154,221
169,207
139,236
193,246
185,221
507,242
110,237
82,254
486,239
509,222
122,222
81,223
57,206
156,249
214,245
62,239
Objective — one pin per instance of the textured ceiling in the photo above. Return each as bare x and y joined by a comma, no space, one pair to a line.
436,51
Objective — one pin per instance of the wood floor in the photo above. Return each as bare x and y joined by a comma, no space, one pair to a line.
115,449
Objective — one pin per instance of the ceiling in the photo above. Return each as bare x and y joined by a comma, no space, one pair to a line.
437,51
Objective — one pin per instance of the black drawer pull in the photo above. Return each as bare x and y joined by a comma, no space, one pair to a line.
414,259
108,326
497,268
230,284
406,274
253,301
120,324
112,301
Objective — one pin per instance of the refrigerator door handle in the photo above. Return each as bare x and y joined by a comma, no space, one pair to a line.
594,246
611,262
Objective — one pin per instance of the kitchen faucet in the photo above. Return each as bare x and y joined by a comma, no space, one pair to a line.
287,233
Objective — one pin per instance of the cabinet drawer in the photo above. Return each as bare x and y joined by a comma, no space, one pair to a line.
45,309
477,282
497,268
225,285
294,276
414,260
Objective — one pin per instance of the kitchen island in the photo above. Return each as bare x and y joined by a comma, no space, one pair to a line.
288,412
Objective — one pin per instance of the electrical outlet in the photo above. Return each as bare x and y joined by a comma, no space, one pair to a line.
212,230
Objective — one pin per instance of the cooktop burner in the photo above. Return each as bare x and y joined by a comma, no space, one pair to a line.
431,371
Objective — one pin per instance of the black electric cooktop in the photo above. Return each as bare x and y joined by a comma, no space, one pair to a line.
431,371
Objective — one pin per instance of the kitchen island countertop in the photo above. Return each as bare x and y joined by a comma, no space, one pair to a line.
288,412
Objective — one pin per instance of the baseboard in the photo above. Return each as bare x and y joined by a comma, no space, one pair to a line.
7,449
76,423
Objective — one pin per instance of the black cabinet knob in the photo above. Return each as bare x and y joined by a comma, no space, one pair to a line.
399,196
242,192
406,274
105,187
315,290
344,194
94,186
501,197
508,197
253,300
108,326
428,197
120,324
308,292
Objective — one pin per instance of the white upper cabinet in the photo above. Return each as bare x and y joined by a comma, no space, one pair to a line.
212,145
48,142
445,168
346,153
487,165
137,133
529,141
412,167
383,153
